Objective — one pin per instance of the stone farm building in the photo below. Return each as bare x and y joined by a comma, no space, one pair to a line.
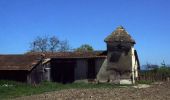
118,64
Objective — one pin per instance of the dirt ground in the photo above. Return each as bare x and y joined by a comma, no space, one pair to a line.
159,91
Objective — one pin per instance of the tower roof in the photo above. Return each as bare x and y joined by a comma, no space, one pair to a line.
119,35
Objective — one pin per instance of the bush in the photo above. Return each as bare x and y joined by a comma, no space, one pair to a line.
157,74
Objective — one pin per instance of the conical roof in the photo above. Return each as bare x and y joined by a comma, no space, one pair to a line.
119,35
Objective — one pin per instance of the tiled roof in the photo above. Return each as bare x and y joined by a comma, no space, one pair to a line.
29,60
94,54
18,62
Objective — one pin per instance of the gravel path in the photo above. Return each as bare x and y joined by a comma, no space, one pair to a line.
155,92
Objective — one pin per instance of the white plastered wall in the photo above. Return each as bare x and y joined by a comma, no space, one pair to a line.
134,66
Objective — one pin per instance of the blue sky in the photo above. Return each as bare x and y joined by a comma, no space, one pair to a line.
87,21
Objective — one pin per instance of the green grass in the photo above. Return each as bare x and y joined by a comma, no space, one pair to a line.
144,82
16,89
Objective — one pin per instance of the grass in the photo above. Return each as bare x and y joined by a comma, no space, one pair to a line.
11,89
144,82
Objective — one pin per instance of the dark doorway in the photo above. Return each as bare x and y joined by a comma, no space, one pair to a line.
15,75
91,69
62,70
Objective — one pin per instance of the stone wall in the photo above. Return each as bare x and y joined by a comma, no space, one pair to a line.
118,65
98,64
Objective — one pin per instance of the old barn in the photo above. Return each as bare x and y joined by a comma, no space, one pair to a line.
64,67
118,64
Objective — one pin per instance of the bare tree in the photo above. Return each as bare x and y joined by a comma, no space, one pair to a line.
64,46
46,44
33,46
40,44
53,43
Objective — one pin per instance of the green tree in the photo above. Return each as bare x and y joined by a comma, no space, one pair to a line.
85,47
